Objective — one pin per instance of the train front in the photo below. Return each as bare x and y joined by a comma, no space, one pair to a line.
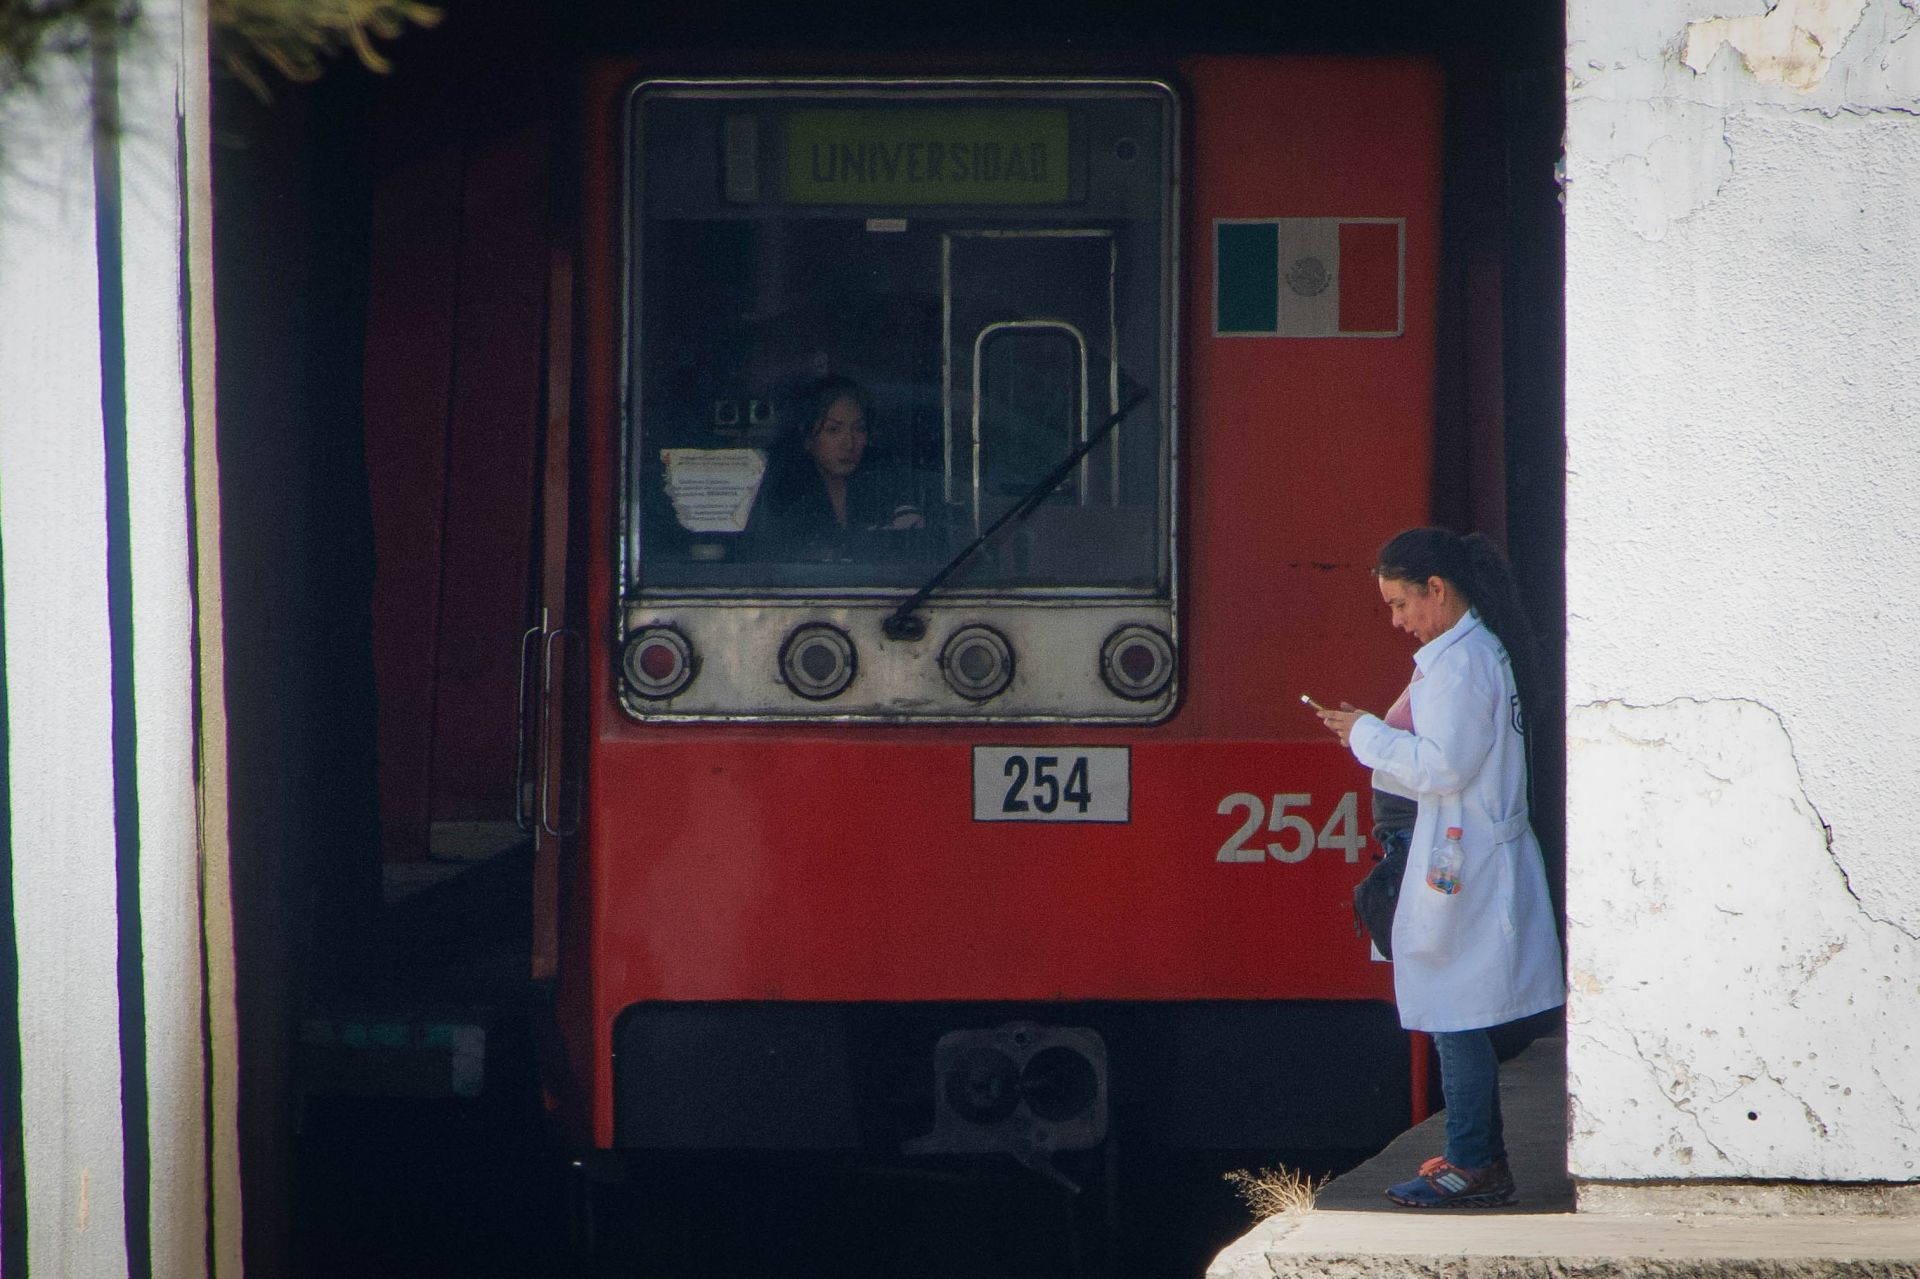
948,608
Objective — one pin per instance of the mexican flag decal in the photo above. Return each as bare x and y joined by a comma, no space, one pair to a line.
1309,277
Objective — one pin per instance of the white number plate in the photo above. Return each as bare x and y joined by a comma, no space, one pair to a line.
1052,784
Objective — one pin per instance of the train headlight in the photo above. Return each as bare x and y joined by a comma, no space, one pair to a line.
818,661
978,662
658,662
1137,661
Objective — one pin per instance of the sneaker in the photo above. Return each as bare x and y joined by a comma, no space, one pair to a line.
1441,1185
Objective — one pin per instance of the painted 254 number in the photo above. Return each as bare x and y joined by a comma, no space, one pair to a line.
1039,784
1296,835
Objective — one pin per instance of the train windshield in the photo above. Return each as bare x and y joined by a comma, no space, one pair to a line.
864,320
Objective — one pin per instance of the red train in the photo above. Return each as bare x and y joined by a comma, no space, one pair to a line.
1005,831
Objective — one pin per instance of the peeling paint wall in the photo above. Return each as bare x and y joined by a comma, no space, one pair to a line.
1743,577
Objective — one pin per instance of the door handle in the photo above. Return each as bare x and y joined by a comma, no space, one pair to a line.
567,822
522,816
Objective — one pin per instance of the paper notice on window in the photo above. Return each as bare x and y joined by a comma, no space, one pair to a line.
712,490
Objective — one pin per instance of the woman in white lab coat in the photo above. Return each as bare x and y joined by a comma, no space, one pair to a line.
1486,952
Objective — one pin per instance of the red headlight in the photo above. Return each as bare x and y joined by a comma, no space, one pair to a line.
658,662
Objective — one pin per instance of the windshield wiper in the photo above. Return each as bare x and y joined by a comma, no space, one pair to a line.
904,624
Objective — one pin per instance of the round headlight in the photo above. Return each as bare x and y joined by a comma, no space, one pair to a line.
817,661
978,662
658,662
1137,662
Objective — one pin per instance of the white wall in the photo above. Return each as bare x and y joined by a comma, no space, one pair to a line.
1743,572
115,734
53,545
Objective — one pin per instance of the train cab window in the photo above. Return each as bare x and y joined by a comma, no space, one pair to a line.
865,319
1030,411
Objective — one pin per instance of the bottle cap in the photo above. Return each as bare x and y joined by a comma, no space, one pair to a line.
1453,832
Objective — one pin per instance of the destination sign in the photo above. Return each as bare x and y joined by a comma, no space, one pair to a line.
993,155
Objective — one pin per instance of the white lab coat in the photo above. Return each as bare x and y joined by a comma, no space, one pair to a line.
1489,953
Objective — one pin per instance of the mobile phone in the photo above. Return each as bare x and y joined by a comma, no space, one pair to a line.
1309,701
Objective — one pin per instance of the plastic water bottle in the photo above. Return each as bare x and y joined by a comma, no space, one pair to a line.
1443,872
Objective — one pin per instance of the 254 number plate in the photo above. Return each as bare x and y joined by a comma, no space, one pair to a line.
1052,784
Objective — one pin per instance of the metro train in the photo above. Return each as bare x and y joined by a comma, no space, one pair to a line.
1006,832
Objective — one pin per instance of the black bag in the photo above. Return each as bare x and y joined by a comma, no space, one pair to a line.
1375,896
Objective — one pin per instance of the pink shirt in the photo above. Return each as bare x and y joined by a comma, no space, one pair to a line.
1400,714
1398,809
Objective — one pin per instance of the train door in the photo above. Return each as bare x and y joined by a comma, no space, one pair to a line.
1030,360
545,791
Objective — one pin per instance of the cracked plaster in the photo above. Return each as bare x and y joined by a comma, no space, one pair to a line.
1734,1011
1792,44
1741,400
1653,87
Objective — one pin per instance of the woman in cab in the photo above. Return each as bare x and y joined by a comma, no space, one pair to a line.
826,487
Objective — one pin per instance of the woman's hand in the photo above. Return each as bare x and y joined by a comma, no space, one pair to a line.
907,517
1341,721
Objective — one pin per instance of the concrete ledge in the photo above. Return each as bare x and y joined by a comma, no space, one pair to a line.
1481,1245
1747,1198
1355,1232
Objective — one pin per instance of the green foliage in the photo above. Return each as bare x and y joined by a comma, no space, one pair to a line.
31,30
291,36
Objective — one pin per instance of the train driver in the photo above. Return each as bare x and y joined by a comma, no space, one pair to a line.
827,490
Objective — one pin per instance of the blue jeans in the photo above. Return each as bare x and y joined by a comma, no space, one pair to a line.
1470,1079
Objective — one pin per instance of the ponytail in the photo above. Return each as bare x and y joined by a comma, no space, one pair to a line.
1475,567
1496,596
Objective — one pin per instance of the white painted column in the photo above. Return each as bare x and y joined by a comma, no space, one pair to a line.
153,224
53,549
64,488
216,887
1743,573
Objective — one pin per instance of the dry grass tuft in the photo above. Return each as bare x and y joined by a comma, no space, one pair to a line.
1273,1192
